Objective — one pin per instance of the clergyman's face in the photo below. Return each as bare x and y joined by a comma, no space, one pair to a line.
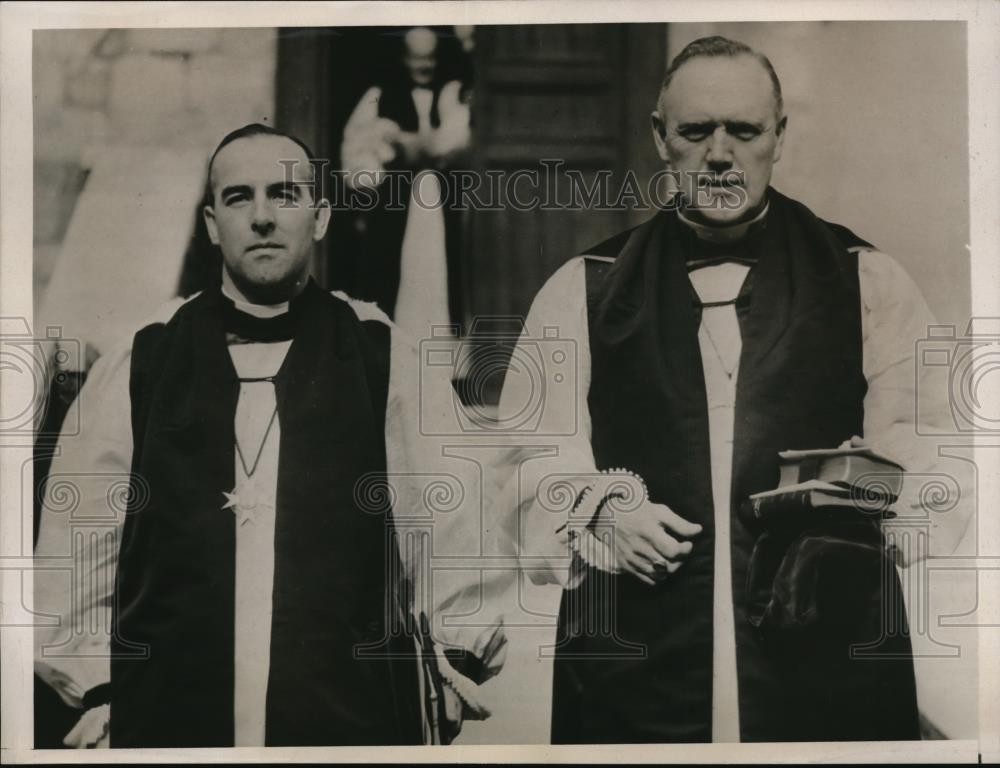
421,67
718,117
263,217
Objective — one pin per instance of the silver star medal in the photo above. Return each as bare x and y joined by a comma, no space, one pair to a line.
244,509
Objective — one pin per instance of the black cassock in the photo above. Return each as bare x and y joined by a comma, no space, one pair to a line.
647,676
342,667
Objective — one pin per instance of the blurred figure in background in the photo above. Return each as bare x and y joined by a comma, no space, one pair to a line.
415,121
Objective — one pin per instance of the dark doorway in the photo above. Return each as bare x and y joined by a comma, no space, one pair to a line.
322,74
579,94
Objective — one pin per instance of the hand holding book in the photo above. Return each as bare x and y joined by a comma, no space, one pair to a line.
850,480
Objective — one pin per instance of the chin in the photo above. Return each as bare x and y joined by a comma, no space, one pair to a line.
267,288
722,217
718,217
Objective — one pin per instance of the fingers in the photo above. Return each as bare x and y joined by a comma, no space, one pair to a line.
674,522
643,562
452,706
644,579
649,565
666,547
91,730
73,738
642,571
645,549
650,572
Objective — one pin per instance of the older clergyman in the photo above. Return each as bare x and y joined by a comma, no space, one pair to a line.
710,338
260,597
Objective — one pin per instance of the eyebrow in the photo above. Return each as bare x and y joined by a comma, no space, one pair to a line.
286,186
704,125
280,186
735,126
232,190
732,126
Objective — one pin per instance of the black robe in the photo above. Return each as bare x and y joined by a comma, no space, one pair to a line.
634,663
342,667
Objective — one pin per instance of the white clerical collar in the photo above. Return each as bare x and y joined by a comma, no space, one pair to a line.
257,310
722,235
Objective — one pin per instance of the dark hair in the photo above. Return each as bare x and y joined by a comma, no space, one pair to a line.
259,129
710,47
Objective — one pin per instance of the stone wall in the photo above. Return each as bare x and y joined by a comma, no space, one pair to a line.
163,88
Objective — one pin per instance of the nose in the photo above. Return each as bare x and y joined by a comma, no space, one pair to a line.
720,150
262,221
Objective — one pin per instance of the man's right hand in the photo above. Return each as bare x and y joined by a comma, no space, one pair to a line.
650,542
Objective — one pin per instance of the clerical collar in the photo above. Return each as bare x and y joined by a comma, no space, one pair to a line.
249,323
257,310
712,246
724,235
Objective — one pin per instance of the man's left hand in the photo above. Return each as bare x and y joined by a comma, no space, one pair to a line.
91,730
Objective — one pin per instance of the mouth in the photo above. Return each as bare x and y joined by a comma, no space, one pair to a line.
723,183
268,246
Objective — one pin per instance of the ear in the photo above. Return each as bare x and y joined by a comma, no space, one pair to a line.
213,230
779,134
659,127
322,219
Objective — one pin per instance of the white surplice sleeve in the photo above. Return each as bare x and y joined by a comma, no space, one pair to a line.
81,518
549,462
438,514
82,515
895,317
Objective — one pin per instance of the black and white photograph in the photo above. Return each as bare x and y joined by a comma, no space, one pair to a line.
425,381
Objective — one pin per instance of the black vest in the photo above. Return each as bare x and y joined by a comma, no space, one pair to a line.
172,665
396,103
634,662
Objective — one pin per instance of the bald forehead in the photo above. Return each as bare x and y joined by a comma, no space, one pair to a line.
704,87
420,41
263,159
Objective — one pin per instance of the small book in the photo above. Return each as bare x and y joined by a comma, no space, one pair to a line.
849,481
790,503
857,468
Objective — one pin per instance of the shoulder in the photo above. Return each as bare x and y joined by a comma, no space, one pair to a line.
377,324
566,282
884,282
567,286
610,248
149,343
170,313
365,311
116,361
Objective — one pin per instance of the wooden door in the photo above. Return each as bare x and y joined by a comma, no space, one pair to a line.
575,95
